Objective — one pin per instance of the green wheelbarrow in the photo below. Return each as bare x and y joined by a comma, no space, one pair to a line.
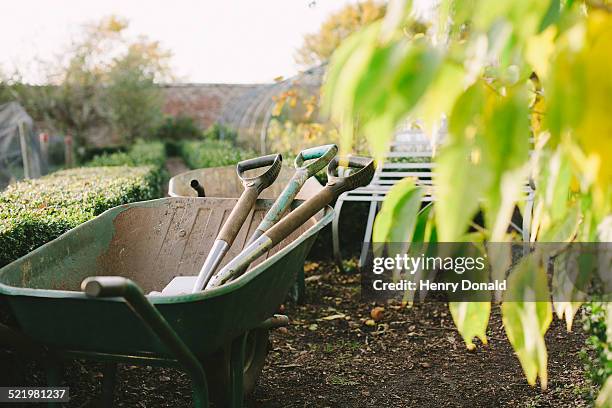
81,296
224,331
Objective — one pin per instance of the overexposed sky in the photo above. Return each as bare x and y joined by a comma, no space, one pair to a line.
227,41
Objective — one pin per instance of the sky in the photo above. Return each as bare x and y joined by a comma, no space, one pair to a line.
213,41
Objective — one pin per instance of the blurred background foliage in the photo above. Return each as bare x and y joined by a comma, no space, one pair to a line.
526,89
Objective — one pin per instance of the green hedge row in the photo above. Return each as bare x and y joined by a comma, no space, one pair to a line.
140,154
33,212
212,153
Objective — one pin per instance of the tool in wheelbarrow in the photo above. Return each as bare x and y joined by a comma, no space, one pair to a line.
307,163
253,186
319,157
335,186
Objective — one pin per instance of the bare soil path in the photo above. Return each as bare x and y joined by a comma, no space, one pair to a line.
174,165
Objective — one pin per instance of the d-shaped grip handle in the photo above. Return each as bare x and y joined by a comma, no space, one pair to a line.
334,187
322,154
264,180
362,177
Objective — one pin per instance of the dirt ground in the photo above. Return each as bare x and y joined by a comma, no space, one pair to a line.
329,357
413,357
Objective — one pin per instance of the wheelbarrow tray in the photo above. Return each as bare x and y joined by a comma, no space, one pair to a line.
223,182
150,242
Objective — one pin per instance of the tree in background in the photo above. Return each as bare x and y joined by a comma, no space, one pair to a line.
104,79
133,99
295,122
318,47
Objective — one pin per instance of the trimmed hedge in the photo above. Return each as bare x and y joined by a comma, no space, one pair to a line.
33,212
140,154
212,153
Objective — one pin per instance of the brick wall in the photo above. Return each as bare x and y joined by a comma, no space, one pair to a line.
204,102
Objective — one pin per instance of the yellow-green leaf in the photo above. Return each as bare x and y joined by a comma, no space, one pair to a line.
573,271
460,184
526,314
471,319
564,229
539,51
397,219
604,400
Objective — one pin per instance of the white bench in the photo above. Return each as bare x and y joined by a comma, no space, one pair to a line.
418,165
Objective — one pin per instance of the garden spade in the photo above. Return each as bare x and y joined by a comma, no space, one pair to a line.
253,186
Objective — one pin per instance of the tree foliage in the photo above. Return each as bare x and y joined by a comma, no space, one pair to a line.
104,78
318,47
510,76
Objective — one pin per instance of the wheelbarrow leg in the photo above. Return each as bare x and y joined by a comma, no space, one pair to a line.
336,233
53,371
237,371
200,395
297,292
109,380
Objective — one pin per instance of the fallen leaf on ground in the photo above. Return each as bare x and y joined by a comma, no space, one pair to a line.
377,313
334,317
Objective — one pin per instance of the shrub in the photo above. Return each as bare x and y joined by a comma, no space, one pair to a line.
221,132
597,355
140,154
33,212
178,127
212,153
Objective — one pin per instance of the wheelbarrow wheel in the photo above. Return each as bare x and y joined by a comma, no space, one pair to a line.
217,367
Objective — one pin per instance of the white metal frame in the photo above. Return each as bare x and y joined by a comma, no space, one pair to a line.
387,176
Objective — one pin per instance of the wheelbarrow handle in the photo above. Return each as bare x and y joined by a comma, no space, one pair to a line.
321,156
107,286
264,180
335,186
195,184
116,286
